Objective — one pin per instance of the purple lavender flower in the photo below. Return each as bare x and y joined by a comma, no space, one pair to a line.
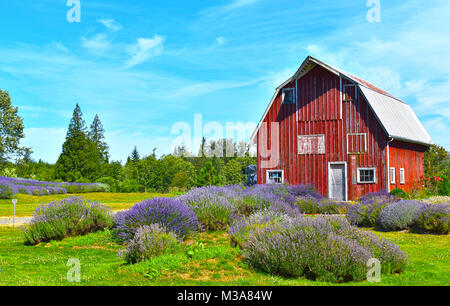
169,213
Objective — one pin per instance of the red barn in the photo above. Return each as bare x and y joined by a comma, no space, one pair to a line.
330,129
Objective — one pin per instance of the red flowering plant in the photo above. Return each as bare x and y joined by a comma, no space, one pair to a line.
432,184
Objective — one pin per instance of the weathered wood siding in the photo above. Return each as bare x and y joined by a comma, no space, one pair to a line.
319,111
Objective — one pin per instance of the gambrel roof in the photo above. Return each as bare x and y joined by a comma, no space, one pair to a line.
395,116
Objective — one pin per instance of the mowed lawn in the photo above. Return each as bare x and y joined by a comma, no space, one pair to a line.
215,264
118,201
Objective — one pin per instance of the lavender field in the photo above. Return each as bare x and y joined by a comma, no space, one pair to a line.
9,187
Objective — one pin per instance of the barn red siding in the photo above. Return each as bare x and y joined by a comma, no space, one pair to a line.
318,111
409,157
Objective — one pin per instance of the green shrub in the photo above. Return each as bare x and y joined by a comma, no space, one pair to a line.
399,193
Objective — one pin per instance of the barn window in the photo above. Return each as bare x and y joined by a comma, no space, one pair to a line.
402,176
393,176
356,143
288,96
367,175
275,177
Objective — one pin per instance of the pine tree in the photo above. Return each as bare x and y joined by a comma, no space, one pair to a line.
97,136
80,158
208,175
135,157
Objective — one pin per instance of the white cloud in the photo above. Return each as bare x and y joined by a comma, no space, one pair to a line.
220,40
239,3
57,46
97,45
111,24
232,6
144,49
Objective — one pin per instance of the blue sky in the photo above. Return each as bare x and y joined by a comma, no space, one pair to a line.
145,65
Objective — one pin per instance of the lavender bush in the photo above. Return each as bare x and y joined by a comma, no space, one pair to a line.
400,215
325,249
241,228
367,211
70,217
149,241
169,213
434,218
310,205
214,210
9,187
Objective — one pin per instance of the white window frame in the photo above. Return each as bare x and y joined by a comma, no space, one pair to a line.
402,176
283,93
392,176
365,142
374,175
268,172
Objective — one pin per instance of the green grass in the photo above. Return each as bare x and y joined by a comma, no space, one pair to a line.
214,264
118,201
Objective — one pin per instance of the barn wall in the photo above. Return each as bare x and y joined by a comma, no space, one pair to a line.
409,157
318,111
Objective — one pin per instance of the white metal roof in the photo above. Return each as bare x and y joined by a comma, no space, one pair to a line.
397,118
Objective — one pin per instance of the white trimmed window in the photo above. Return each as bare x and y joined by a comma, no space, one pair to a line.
402,176
275,177
288,96
392,176
367,175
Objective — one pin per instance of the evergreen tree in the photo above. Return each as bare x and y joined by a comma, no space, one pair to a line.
208,175
233,173
97,136
80,158
135,157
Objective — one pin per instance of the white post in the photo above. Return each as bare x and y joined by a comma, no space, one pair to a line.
14,201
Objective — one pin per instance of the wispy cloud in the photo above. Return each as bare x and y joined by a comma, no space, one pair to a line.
144,49
98,44
111,24
228,8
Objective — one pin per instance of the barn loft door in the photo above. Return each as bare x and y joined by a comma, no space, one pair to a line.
337,181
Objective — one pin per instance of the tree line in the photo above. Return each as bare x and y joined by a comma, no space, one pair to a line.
85,158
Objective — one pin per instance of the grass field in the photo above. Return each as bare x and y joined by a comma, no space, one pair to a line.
216,264
27,203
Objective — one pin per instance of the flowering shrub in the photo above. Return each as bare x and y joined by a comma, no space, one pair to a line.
400,215
11,186
149,241
310,205
169,213
434,218
325,249
213,210
438,200
69,217
367,211
240,229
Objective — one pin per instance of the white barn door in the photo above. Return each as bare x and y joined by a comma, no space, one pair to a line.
337,181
